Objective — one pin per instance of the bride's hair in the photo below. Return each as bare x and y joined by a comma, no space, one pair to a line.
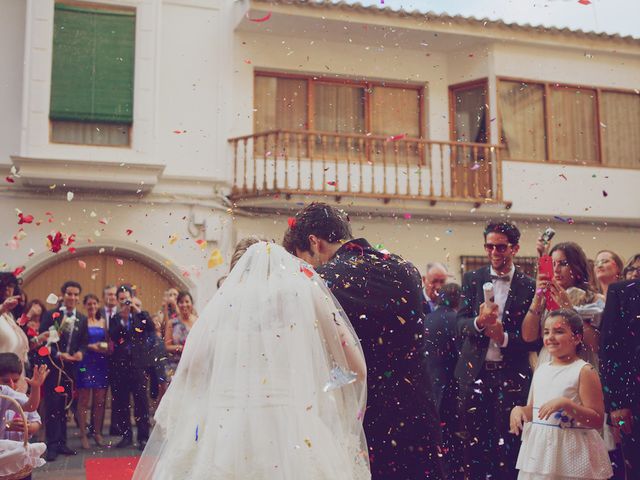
242,246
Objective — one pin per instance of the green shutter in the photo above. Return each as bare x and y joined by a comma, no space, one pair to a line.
92,72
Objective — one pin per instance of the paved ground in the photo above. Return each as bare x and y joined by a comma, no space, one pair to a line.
72,467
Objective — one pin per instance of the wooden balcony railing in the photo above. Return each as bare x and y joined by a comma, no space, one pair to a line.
322,163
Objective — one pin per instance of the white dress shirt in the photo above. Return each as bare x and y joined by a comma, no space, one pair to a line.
500,293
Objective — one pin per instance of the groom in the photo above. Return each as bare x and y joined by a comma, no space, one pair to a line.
382,295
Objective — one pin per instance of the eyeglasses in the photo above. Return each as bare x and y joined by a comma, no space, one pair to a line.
501,247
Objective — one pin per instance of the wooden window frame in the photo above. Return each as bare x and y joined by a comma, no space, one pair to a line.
367,85
548,86
452,107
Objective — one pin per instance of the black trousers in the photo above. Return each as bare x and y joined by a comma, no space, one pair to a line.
490,451
55,420
115,420
130,382
631,448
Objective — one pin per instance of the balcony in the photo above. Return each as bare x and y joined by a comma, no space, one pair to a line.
284,163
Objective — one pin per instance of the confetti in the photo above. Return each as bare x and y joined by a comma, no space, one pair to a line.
407,216
104,221
568,220
82,264
306,271
307,442
52,299
56,242
178,132
401,320
173,238
18,271
259,20
215,259
69,196
9,180
201,243
562,175
59,389
332,183
43,351
338,378
119,262
128,231
196,433
584,2
394,138
475,166
604,193
291,221
24,219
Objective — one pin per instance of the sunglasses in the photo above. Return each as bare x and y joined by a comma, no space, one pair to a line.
501,247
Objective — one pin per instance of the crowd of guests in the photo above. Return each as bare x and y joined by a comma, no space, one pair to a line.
93,346
492,366
555,351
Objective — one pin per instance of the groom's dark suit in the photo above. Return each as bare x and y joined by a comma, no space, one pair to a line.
489,390
382,296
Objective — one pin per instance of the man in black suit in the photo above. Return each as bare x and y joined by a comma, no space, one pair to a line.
108,311
493,369
619,354
131,332
72,329
434,278
441,357
382,296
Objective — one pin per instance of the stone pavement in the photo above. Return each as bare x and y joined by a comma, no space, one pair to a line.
72,467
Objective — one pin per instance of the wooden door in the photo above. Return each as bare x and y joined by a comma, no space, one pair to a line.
94,271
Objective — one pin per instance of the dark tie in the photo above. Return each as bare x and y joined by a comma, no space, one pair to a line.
501,278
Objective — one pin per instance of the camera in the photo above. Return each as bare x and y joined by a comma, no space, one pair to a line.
127,302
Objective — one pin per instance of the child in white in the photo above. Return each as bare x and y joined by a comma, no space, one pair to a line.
560,439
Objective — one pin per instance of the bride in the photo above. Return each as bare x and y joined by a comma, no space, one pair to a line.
271,384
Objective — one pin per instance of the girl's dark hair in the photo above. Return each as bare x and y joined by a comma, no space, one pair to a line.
319,219
573,320
577,262
450,295
10,363
182,294
92,296
7,279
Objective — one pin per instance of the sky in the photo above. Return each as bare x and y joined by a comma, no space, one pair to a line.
609,16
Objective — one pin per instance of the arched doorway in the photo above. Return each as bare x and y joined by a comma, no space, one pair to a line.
96,267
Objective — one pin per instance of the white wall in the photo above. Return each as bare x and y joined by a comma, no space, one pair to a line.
12,31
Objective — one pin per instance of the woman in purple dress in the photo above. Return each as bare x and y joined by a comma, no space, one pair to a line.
92,373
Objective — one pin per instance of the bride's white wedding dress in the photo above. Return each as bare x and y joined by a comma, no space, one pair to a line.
262,390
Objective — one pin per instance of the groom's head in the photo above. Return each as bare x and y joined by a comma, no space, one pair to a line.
316,232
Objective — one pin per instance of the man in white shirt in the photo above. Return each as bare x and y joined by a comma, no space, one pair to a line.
434,278
493,368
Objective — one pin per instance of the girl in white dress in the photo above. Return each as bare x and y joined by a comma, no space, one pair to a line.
560,439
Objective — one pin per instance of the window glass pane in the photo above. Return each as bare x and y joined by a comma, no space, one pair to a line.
339,108
280,103
395,111
470,117
90,133
573,125
522,120
620,128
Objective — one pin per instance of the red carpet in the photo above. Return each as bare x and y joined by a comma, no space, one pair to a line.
119,468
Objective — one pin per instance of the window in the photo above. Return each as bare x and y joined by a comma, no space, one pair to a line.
522,109
321,105
92,74
569,124
620,128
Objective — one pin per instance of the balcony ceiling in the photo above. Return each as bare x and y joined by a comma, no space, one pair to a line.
366,34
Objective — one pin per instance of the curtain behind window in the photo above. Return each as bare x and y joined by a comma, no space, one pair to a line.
620,129
522,120
573,129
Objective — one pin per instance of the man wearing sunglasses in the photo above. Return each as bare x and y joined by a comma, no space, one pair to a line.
493,368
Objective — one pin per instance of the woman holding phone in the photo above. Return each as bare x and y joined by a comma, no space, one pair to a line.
566,286
12,337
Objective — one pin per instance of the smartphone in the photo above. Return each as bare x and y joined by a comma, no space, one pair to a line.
545,266
548,235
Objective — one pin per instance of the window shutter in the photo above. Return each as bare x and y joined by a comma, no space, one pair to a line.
92,71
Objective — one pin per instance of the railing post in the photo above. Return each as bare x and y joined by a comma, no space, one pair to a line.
349,146
452,169
299,180
324,162
476,176
275,162
498,157
235,164
244,172
265,153
420,156
286,161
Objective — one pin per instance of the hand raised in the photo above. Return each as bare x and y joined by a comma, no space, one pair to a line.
40,373
517,420
495,332
488,314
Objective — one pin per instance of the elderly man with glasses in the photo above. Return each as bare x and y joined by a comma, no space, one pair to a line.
493,368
